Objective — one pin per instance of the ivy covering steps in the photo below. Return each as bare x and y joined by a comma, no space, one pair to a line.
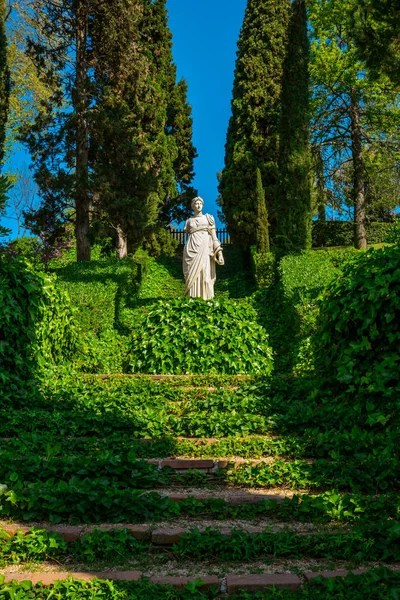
159,482
310,585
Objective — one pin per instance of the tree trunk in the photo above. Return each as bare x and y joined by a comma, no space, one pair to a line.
80,101
360,236
321,185
122,243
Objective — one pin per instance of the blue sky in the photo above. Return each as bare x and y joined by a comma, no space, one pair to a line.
205,34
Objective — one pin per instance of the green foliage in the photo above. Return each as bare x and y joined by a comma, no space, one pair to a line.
341,233
28,248
197,336
240,545
115,544
108,545
358,335
253,132
321,474
235,279
377,584
294,196
4,188
262,225
37,545
133,167
377,36
393,233
362,156
263,267
163,279
288,309
160,242
143,128
87,590
100,290
304,276
37,324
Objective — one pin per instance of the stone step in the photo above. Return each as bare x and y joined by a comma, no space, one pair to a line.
234,497
50,578
205,465
195,381
229,584
165,535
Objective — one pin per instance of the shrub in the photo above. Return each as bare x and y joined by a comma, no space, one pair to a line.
341,233
198,336
101,289
288,309
263,267
160,241
304,276
393,233
37,323
29,248
359,327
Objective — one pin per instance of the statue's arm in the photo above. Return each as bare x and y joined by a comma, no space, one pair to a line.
186,229
218,256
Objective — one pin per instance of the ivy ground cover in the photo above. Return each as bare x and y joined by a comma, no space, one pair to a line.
72,452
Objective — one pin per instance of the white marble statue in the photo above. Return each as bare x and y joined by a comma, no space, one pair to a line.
201,252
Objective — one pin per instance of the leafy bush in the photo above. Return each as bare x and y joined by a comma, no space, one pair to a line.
393,233
288,309
263,267
341,233
37,323
28,248
160,241
359,329
198,336
100,290
304,276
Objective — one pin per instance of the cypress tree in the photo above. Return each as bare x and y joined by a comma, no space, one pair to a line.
262,227
142,148
180,127
4,80
253,132
4,104
294,221
132,159
179,124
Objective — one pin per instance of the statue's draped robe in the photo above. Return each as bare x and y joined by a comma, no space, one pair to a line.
198,257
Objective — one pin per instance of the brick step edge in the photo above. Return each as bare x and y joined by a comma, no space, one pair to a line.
230,584
157,536
203,465
197,441
167,377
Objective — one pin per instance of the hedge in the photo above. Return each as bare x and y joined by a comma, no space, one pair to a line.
341,233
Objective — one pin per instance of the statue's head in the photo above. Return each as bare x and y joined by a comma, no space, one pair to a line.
197,203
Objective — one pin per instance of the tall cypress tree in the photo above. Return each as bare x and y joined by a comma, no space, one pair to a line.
294,222
132,164
262,226
180,127
4,103
4,80
141,141
179,122
253,132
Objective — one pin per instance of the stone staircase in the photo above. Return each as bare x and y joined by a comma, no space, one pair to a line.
164,561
